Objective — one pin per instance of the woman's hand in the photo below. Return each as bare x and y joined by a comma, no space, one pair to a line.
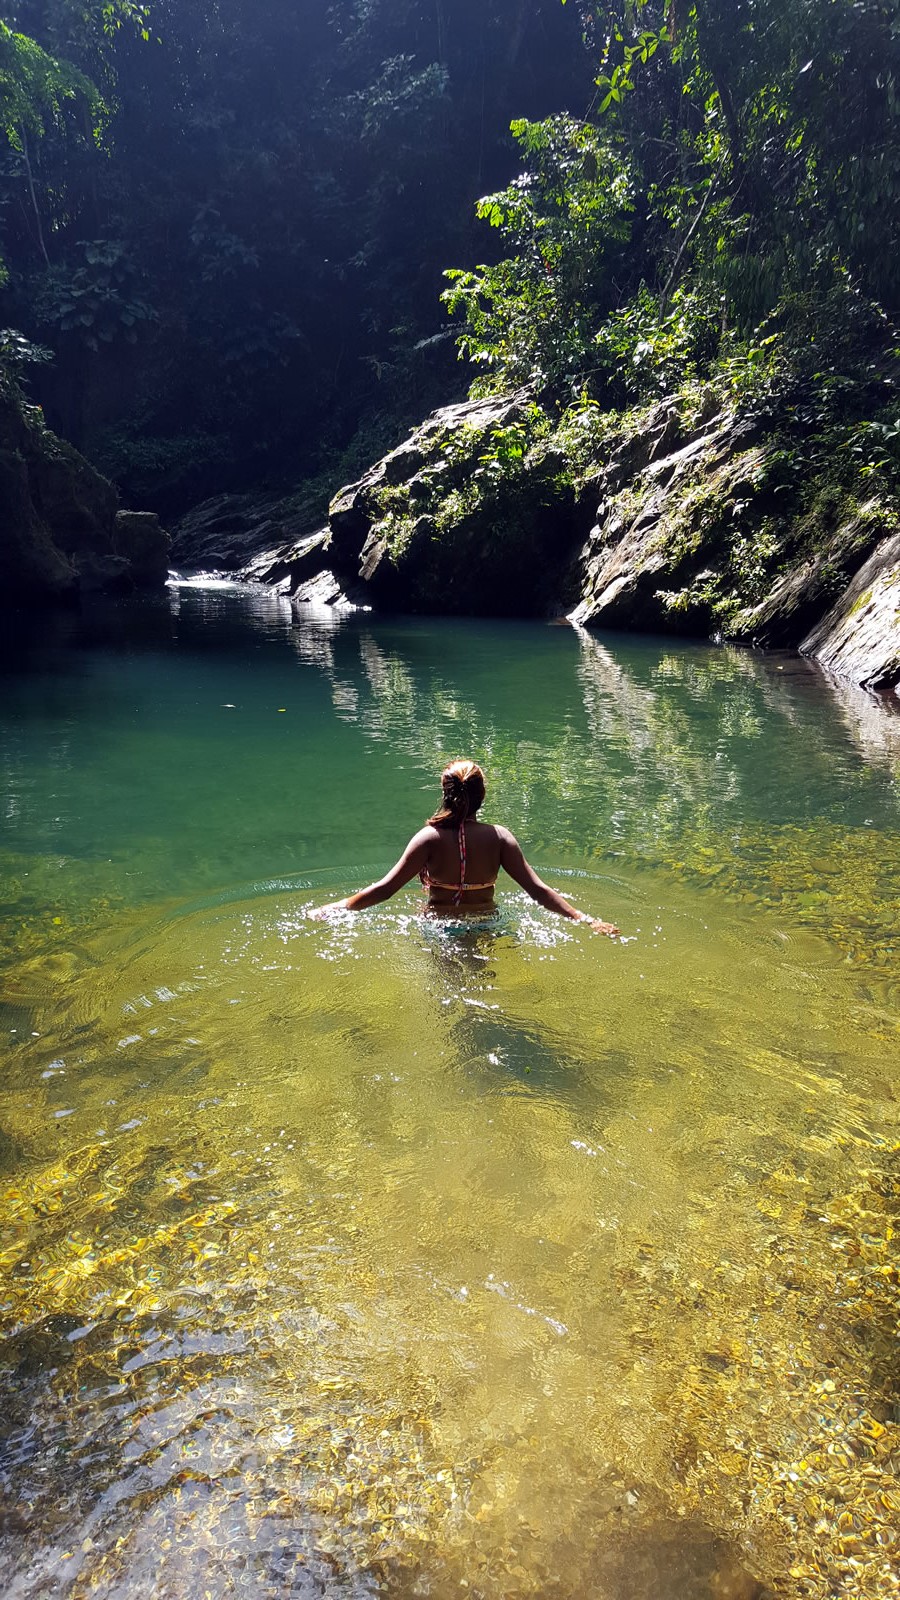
609,928
320,913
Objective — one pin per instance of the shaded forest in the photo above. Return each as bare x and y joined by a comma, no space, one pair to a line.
228,223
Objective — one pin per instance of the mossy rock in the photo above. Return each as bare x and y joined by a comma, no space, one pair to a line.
474,514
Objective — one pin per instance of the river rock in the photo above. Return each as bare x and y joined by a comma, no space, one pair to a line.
324,590
146,545
859,639
355,509
290,566
689,527
808,586
30,563
657,546
231,532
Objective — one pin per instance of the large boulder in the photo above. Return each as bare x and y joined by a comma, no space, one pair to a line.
473,514
291,566
670,500
30,562
324,590
232,532
71,498
145,545
821,568
709,528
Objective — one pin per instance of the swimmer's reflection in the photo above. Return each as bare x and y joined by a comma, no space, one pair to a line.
496,1052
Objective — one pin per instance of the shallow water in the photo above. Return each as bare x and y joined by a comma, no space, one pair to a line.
372,1257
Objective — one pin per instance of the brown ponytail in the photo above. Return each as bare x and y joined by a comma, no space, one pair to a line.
462,786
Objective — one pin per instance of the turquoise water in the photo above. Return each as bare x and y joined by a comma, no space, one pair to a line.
368,1257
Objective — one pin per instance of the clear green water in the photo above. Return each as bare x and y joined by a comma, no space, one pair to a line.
372,1258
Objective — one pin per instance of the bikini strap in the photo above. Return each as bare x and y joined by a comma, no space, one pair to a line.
462,863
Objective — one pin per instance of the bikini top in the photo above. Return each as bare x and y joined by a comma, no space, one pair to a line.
432,883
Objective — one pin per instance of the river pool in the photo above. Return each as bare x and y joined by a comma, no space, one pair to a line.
373,1257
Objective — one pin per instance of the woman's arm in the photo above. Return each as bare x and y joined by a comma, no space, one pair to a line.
413,859
513,861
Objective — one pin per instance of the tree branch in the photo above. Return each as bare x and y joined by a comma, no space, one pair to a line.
690,234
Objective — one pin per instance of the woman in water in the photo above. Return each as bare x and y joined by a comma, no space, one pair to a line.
458,859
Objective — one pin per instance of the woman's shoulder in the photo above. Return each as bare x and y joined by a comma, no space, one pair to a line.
426,834
493,830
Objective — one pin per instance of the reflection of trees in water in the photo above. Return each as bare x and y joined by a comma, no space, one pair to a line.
720,737
394,703
637,750
415,708
660,769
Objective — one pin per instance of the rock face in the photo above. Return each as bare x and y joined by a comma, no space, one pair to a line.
798,597
291,566
145,546
60,527
472,514
263,539
688,518
705,535
859,639
691,524
637,567
232,531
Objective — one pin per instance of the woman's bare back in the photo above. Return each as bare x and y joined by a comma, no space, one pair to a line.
442,873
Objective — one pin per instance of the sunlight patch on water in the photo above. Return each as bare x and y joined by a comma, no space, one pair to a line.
375,1256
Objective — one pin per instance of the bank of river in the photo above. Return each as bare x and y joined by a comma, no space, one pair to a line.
369,1258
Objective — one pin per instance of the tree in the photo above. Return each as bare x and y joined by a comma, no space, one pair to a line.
39,96
740,154
567,218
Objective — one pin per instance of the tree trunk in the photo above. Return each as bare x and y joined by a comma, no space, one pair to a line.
32,191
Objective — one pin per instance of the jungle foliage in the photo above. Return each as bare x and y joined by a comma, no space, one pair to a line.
718,231
741,156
